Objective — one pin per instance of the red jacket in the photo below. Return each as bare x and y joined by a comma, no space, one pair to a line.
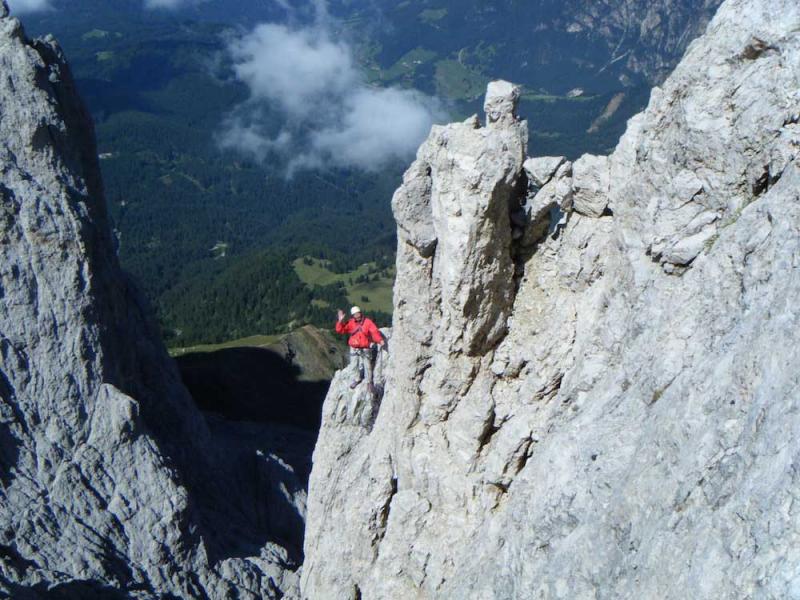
362,334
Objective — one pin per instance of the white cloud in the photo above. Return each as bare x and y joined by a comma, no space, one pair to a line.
296,69
377,125
27,6
331,116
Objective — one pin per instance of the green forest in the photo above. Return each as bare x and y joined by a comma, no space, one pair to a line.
213,237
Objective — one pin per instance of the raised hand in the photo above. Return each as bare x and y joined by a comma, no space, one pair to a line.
340,314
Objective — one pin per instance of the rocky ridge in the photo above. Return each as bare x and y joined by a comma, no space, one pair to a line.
646,37
592,388
112,484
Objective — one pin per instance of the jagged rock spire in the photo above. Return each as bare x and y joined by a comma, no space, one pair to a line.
501,102
454,290
3,9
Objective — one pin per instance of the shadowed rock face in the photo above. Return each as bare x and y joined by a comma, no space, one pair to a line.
110,478
284,382
592,390
253,384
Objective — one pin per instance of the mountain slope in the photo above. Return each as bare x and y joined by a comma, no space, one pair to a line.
556,43
111,482
592,388
192,217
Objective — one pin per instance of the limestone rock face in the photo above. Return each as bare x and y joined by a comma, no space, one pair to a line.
592,387
647,36
110,479
500,105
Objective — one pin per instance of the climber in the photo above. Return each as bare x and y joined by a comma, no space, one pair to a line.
364,338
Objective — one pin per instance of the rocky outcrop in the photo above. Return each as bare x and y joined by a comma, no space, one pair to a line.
591,389
111,482
644,37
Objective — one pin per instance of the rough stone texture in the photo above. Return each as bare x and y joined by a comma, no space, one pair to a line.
542,169
607,405
590,185
111,482
646,36
500,104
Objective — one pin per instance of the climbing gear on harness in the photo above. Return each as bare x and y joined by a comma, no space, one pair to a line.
362,333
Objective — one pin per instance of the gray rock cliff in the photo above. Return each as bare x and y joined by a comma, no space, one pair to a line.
644,36
592,388
112,484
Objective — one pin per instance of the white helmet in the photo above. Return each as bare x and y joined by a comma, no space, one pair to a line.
355,310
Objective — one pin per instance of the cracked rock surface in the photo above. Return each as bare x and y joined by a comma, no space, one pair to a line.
112,484
592,388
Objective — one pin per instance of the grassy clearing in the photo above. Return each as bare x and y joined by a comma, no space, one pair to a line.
458,82
431,15
317,273
254,341
408,64
377,291
531,96
95,34
379,294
